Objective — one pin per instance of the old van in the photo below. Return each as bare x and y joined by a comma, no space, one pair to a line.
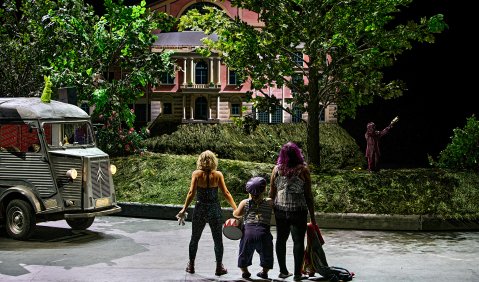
50,167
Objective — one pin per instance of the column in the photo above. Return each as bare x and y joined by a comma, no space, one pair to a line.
218,108
209,107
218,70
184,71
192,108
211,73
192,70
184,103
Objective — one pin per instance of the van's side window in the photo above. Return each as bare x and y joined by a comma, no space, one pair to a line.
19,137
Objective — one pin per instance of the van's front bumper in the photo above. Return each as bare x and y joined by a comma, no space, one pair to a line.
108,211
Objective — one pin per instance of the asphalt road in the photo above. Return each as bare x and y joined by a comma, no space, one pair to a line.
136,249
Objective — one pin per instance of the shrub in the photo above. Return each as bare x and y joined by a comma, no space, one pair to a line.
115,140
463,151
338,148
165,179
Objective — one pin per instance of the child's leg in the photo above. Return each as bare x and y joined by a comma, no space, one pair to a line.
265,251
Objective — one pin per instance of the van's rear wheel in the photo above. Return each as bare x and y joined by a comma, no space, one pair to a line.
80,223
20,222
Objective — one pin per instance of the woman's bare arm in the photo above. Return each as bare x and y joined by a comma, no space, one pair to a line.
308,194
224,189
191,192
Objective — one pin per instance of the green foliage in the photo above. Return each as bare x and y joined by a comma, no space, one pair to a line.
229,141
47,90
346,44
68,42
463,151
26,45
116,140
92,49
164,179
411,191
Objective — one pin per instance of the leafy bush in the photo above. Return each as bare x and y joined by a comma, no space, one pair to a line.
164,179
463,151
115,140
405,192
338,148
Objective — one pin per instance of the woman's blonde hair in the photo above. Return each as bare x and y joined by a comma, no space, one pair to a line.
207,161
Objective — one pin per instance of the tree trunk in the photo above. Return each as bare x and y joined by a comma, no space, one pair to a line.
314,158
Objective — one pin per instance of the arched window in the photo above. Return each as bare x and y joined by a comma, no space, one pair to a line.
201,108
201,73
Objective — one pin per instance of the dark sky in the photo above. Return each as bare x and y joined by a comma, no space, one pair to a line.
439,78
440,89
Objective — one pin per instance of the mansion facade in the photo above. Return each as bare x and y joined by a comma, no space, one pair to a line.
205,90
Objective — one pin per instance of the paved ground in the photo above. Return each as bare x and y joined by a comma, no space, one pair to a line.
135,249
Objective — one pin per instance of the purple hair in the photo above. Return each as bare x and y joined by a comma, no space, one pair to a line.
289,158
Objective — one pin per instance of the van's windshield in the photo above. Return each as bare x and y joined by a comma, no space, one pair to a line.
68,134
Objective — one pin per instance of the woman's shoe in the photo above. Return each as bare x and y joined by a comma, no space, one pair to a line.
246,275
220,270
298,277
190,267
284,275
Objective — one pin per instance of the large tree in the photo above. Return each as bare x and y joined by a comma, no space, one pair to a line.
65,40
347,46
25,47
118,42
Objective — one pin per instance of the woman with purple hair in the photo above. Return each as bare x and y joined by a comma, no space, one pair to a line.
292,197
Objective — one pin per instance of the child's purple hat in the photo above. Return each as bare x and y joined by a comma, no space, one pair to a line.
256,185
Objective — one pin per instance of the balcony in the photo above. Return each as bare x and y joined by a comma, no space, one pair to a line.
211,86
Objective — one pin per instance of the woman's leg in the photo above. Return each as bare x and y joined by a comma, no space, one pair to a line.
198,224
216,231
282,234
298,231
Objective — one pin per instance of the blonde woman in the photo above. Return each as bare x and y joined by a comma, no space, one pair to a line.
205,183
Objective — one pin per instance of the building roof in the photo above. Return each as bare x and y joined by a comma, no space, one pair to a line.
181,39
34,108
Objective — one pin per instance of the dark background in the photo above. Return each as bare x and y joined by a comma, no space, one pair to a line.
440,78
439,95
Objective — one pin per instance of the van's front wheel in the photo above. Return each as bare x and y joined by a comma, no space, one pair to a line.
80,223
20,221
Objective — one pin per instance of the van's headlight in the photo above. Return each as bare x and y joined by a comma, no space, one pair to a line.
72,173
112,169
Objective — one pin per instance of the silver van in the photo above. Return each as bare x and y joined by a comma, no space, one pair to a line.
50,167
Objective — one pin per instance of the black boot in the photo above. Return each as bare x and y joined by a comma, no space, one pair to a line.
190,267
220,270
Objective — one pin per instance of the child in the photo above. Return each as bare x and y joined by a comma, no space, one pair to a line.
256,212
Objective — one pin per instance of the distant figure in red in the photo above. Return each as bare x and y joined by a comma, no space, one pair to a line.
372,144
